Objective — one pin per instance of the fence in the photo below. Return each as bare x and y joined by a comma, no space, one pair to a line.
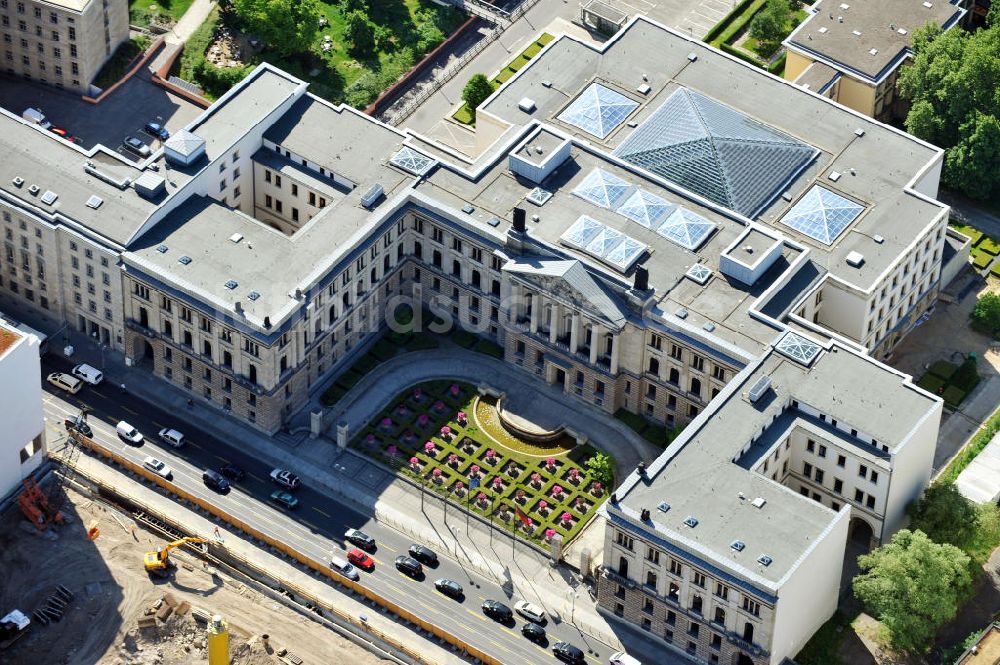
395,116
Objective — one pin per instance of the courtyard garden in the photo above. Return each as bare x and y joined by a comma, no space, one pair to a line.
348,50
754,29
165,13
984,250
443,435
951,382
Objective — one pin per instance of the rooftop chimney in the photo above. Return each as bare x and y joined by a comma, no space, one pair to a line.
519,223
641,279
644,516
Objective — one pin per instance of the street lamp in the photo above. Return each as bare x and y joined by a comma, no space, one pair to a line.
573,593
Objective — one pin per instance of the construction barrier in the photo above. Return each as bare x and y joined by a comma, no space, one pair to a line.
304,559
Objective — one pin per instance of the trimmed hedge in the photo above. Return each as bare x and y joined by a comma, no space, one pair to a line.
719,27
981,259
739,22
967,454
989,245
943,369
975,235
931,383
742,55
778,66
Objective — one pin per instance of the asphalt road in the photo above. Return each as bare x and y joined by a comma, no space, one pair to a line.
316,526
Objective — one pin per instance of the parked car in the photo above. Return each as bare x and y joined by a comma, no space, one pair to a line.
233,472
360,558
533,632
360,538
64,381
37,117
285,478
128,434
409,565
529,611
449,588
338,563
215,480
85,372
567,652
59,131
284,499
497,611
79,423
158,467
424,555
157,130
171,437
622,658
135,145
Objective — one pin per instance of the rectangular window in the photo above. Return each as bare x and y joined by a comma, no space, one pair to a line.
838,485
863,471
859,496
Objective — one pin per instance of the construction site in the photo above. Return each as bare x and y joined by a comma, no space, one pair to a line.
84,582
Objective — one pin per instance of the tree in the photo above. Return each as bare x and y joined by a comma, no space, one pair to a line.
360,32
951,84
945,515
913,586
986,315
600,468
768,25
476,91
287,26
348,6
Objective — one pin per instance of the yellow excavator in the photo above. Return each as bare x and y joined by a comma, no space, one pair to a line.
158,563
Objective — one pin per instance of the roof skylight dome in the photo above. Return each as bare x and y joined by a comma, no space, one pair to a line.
598,110
822,215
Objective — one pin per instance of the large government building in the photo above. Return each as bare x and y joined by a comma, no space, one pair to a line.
652,226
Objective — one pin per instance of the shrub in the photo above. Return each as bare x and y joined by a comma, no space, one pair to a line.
986,315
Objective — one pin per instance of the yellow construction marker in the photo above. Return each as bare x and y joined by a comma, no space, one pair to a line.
218,641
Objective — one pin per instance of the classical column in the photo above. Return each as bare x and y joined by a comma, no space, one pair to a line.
615,347
595,342
536,307
553,323
574,333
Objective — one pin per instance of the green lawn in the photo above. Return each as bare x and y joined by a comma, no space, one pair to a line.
546,483
116,67
142,12
974,234
949,381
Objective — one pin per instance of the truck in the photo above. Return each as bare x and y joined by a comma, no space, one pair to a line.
36,117
12,627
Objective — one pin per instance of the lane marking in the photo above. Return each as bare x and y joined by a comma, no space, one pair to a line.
134,413
310,525
222,459
321,512
255,477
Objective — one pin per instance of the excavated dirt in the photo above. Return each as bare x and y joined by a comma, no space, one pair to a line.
112,592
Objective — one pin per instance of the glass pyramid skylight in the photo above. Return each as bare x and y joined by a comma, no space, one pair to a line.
603,189
822,215
582,232
645,208
411,161
625,254
598,110
686,228
716,151
603,242
800,349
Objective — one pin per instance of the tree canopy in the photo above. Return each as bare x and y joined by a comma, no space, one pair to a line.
600,468
476,91
953,84
986,315
768,25
913,586
360,32
945,515
287,26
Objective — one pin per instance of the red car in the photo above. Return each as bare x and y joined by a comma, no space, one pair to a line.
360,559
63,133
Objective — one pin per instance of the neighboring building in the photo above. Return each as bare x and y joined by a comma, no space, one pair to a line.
22,446
986,650
61,42
852,51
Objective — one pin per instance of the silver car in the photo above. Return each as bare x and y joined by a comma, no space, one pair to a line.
158,467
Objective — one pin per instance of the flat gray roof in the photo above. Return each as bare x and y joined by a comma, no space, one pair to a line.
698,477
817,76
868,37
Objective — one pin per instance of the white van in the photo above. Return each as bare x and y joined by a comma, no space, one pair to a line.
70,384
128,433
91,375
345,568
172,437
37,117
622,658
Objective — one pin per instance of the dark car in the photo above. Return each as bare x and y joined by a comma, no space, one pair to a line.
233,472
497,611
157,130
79,423
409,565
567,652
215,480
533,632
449,588
360,538
424,555
284,499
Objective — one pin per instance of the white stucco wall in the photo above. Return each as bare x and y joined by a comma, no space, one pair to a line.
911,469
20,411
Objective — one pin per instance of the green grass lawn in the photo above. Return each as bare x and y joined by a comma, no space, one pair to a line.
511,474
116,67
141,12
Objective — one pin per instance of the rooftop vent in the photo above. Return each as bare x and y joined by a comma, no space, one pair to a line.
834,176
787,196
527,105
856,33
644,515
236,237
231,284
18,181
928,5
823,30
758,503
738,545
901,31
844,6
33,190
644,89
681,313
162,249
184,260
691,522
764,560
709,327
371,197
94,201
692,56
546,84
699,273
253,295
468,209
493,221
859,132
49,197
878,239
664,506
873,51
759,388
840,19
855,259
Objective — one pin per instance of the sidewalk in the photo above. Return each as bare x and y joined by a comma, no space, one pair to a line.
394,502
